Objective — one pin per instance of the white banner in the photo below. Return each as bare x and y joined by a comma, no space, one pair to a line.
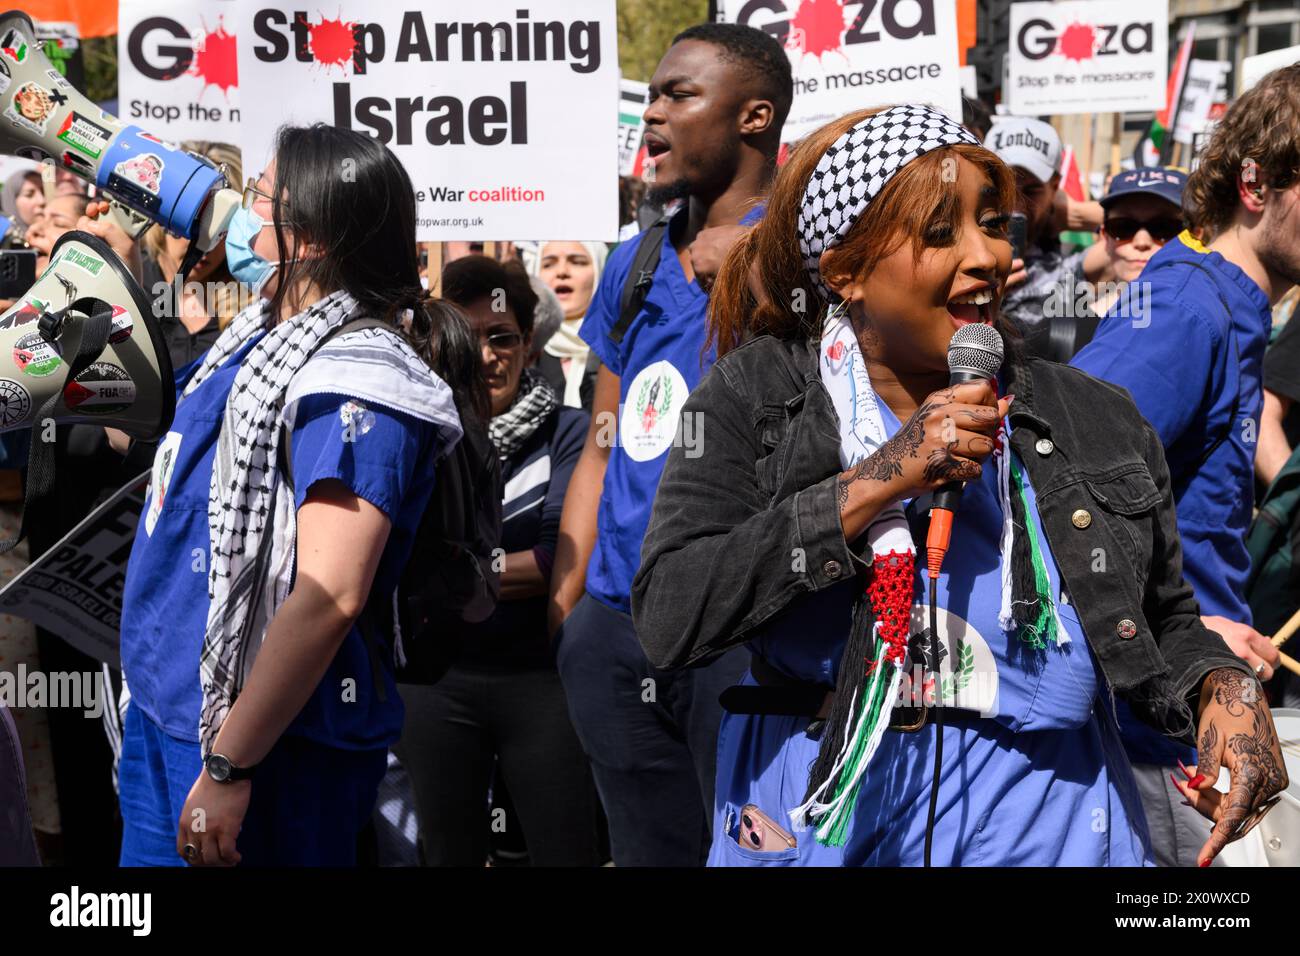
74,589
1255,68
176,68
1088,56
859,54
1204,87
631,104
502,113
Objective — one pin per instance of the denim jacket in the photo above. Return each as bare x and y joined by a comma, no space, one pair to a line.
716,566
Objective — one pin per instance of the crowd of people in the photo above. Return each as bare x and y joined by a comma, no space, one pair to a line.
718,445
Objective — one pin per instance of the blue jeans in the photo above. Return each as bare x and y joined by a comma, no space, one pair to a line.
651,735
308,805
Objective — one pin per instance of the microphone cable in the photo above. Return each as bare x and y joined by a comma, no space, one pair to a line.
936,547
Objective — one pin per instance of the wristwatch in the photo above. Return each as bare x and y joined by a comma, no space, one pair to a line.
222,770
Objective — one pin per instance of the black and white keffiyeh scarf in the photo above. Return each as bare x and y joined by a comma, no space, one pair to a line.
251,515
535,400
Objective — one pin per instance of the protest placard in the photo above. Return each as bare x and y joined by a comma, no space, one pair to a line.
1255,68
632,97
74,589
1088,56
1204,87
497,111
859,53
177,73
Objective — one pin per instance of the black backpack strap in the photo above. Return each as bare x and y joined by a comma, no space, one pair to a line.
1068,334
1236,356
587,389
639,278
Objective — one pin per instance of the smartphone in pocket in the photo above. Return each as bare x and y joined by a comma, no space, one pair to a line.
758,831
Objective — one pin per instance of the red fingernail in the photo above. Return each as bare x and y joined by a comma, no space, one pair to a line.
1187,803
1175,781
1207,862
1195,781
1186,773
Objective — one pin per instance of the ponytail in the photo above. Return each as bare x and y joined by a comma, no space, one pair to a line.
441,334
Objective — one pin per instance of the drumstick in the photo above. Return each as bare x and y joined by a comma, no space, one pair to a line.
1290,663
1284,633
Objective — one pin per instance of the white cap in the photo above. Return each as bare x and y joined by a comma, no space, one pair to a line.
1029,144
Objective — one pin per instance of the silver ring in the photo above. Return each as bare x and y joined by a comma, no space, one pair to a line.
190,851
1259,668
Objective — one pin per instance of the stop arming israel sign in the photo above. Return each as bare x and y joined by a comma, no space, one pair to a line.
504,114
859,53
176,68
1088,56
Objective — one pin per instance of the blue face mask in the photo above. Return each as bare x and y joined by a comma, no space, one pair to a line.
245,264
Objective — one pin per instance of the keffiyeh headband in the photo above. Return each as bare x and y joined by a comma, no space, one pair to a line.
856,168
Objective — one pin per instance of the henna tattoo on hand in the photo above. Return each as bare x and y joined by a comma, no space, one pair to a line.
1258,773
1234,691
944,467
886,464
1255,752
1209,739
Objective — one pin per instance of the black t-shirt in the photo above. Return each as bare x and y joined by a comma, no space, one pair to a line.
183,345
1282,375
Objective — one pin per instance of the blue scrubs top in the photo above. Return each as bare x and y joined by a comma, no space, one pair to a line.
659,362
388,461
1041,781
1184,360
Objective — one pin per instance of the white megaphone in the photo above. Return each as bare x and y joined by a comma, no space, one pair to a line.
42,117
82,346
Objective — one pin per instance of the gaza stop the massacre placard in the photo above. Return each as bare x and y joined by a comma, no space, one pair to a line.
504,113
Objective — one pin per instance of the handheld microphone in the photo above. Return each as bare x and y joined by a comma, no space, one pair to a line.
974,354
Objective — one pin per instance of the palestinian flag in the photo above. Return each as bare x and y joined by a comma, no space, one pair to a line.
1071,178
1152,149
14,46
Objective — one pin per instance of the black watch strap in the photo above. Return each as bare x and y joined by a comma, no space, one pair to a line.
221,770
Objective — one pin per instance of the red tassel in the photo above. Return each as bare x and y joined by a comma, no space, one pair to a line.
890,593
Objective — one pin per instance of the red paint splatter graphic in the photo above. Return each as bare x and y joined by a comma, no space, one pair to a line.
214,59
817,28
835,352
1077,42
331,42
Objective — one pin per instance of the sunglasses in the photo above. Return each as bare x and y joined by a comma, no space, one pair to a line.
503,341
1123,228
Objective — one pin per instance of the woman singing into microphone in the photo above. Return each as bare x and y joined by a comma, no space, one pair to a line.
288,489
800,531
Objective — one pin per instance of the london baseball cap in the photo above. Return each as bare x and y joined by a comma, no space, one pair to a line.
1030,144
1153,180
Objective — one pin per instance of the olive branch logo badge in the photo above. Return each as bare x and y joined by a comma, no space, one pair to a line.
654,399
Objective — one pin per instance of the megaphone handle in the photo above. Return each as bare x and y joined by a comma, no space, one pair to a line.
126,219
40,458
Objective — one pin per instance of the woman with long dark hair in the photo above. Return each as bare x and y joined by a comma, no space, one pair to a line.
862,735
499,718
288,489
